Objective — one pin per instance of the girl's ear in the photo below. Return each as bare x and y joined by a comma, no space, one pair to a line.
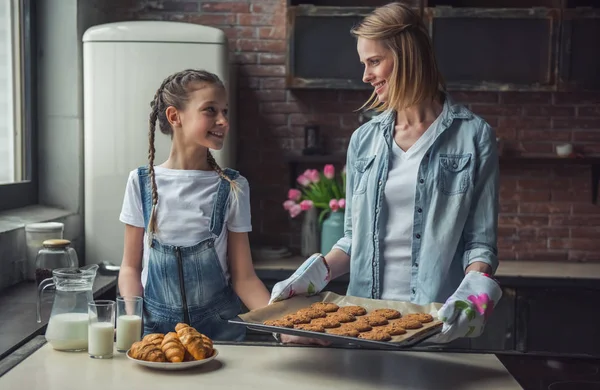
173,116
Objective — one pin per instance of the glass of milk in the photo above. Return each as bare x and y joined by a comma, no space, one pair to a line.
101,329
129,322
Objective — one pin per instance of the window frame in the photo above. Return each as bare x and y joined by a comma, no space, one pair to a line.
25,193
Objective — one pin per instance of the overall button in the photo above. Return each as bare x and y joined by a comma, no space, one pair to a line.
380,182
413,291
421,181
419,210
418,235
416,265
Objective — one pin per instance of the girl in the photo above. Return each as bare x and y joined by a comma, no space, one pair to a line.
422,179
186,220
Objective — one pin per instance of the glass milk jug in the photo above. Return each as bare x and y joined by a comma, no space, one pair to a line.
68,324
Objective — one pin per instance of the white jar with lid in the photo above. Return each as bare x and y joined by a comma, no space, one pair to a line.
35,235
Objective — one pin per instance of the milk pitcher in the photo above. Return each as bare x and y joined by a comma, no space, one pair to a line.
68,324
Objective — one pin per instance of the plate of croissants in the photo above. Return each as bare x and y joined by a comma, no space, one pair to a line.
179,350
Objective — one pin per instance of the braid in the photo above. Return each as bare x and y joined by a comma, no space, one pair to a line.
213,164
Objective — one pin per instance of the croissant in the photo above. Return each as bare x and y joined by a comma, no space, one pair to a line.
147,351
172,348
154,338
192,341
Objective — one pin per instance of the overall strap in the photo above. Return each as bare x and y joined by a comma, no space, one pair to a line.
217,219
146,193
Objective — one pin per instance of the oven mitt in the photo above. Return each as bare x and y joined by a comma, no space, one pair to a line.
466,312
312,276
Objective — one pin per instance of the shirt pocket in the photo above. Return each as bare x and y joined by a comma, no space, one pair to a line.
454,173
362,167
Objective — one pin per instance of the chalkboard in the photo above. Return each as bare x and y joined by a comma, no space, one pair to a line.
475,48
580,60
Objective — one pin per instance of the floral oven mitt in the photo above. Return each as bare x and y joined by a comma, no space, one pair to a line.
466,312
309,279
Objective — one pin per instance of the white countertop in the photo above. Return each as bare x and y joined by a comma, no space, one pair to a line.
264,368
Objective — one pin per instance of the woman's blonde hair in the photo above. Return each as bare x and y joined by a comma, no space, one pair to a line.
415,75
175,91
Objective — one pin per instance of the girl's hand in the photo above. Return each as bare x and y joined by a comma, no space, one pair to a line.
289,339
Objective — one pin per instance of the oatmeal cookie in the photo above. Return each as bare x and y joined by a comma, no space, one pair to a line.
280,323
312,313
342,317
409,324
390,314
327,307
297,318
360,325
326,322
375,320
376,335
421,317
344,331
394,329
310,327
354,310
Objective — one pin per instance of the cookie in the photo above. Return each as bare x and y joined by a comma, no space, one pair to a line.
280,323
310,327
326,322
344,331
421,317
297,318
342,317
394,329
327,307
360,325
375,320
312,313
375,335
354,310
409,324
390,314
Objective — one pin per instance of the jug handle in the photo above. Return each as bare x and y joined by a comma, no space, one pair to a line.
43,285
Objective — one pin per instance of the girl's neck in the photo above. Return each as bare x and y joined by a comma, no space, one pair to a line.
188,158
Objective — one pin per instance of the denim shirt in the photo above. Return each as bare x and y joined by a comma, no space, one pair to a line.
456,204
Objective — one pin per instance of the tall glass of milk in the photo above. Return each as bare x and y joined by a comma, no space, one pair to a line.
101,329
129,321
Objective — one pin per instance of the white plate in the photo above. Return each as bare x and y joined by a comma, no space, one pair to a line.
174,366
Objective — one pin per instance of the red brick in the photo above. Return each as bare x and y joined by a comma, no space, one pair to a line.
574,220
586,244
211,19
506,254
249,82
586,136
509,207
277,108
570,196
275,119
536,147
576,98
585,232
479,97
588,111
271,32
525,97
265,95
240,32
256,19
273,83
260,45
179,6
263,70
546,135
586,208
272,58
584,256
542,256
516,244
544,232
226,6
576,123
545,208
523,221
267,7
525,123
506,134
496,109
349,121
245,58
357,97
549,111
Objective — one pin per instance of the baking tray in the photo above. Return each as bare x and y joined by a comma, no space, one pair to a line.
254,319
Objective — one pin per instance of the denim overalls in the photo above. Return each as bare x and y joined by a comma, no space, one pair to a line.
187,284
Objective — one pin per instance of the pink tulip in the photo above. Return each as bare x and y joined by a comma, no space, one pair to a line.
303,180
314,176
329,171
288,204
334,205
306,205
342,203
294,194
295,210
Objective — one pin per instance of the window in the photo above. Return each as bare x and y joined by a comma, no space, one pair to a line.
18,184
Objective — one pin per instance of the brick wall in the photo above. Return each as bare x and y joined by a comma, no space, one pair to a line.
546,209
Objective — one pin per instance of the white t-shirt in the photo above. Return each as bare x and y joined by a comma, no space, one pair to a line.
398,215
184,210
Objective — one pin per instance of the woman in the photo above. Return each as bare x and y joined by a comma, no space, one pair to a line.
422,188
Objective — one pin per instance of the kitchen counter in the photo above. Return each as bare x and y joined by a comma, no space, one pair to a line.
265,367
18,306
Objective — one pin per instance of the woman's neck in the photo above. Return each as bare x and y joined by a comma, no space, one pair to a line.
418,114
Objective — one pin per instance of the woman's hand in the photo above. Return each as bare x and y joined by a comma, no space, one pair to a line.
309,279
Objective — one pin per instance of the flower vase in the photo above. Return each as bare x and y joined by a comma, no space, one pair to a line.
332,230
310,233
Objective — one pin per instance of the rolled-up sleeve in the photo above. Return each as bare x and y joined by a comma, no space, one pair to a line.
481,228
